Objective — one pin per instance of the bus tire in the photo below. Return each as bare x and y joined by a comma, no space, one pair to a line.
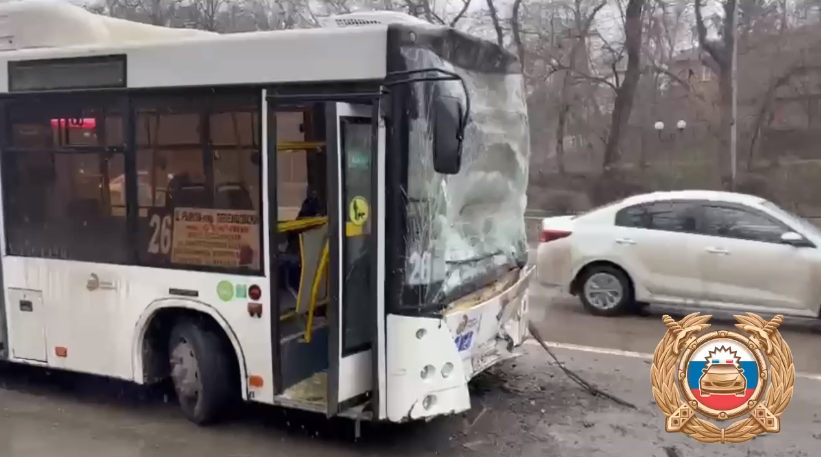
200,371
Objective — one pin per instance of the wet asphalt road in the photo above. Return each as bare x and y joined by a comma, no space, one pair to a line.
525,408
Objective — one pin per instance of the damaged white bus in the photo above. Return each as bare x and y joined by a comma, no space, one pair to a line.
328,219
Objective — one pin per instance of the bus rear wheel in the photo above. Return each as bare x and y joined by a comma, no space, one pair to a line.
201,372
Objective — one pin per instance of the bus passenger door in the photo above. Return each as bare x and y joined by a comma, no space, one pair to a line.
353,271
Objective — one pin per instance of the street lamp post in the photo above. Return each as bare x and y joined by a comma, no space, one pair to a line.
680,125
659,127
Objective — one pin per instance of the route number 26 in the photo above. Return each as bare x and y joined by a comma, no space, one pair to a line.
161,234
420,268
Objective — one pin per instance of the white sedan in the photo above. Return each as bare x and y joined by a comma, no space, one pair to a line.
716,250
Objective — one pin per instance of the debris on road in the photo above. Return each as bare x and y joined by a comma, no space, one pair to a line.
593,390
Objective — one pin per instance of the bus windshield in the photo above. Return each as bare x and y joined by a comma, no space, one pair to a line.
465,230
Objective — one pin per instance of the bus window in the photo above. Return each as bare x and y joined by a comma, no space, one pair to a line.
56,178
236,176
168,145
292,170
199,183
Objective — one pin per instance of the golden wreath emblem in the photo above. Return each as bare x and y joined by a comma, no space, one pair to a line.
722,375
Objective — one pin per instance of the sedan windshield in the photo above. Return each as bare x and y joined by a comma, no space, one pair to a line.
792,219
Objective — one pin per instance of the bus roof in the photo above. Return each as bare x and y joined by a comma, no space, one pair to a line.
165,57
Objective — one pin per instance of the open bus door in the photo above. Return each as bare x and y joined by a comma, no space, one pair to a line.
339,347
354,350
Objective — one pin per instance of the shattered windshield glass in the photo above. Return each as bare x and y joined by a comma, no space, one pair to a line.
464,228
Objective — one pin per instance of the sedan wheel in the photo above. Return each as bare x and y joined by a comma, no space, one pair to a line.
606,291
603,291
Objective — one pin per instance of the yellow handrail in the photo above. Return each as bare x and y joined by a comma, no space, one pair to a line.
301,224
323,263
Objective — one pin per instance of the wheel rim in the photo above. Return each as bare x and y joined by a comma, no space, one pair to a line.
185,372
603,291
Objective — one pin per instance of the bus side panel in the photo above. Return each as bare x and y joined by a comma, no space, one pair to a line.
102,331
4,330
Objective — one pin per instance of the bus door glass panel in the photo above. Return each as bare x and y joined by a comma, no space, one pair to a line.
357,304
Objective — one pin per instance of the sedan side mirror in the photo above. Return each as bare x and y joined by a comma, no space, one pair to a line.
794,239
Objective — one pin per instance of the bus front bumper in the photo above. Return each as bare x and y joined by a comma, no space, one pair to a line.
431,360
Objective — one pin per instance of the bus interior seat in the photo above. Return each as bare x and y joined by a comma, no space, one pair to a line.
305,356
312,242
290,264
300,274
233,196
183,192
192,196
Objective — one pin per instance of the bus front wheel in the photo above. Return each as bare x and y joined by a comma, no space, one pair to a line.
200,371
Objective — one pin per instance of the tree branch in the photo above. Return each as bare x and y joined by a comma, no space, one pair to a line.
465,6
517,33
701,30
663,71
585,76
497,26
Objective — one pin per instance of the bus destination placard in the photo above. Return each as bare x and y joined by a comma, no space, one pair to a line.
215,238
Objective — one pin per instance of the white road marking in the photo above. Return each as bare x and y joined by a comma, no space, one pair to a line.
630,354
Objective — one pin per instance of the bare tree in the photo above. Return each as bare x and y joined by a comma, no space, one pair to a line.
280,14
516,31
719,55
581,31
206,14
626,92
497,23
158,12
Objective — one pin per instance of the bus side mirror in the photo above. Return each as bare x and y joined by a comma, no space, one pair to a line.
449,120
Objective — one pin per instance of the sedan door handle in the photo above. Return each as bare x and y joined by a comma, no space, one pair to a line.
93,282
625,241
720,251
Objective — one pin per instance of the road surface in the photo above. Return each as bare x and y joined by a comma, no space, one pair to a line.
525,408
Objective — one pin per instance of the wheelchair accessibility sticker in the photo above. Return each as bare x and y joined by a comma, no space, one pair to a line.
358,211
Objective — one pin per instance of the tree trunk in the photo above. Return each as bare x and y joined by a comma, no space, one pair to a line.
515,29
725,88
627,91
565,98
721,64
497,26
560,128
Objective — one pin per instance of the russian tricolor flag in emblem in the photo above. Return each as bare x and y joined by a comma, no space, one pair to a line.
722,374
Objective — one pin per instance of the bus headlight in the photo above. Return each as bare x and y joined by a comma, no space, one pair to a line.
428,401
428,371
447,369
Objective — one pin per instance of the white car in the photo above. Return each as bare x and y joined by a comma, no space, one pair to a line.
716,250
